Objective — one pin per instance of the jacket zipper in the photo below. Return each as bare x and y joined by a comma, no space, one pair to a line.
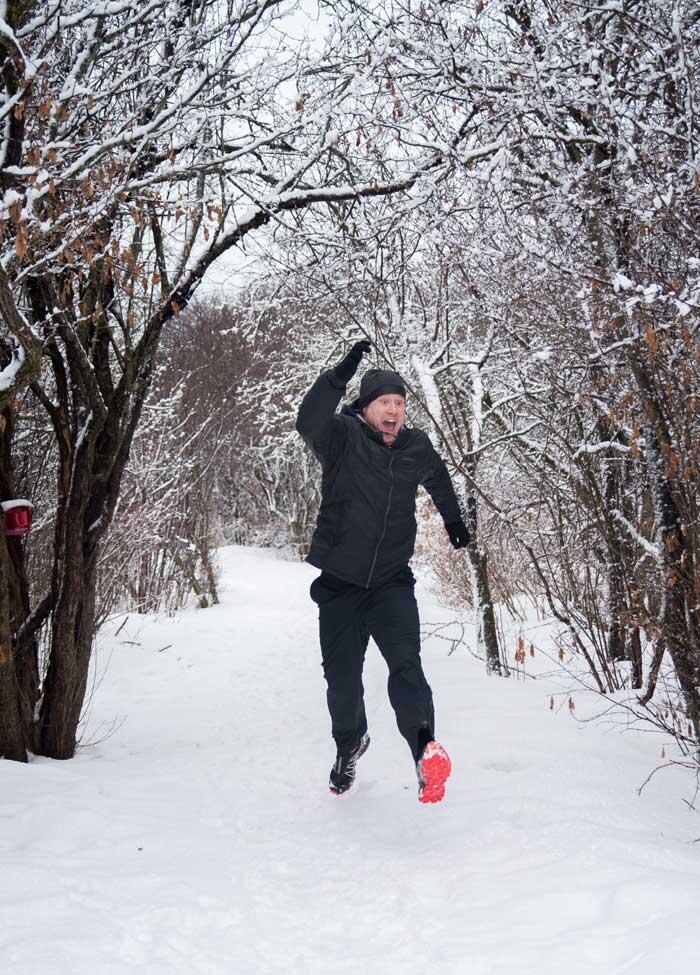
386,516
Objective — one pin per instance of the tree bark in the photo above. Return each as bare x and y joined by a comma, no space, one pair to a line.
614,557
678,577
635,655
72,635
12,744
16,603
487,635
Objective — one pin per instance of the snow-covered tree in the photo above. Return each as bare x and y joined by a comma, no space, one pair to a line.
142,143
573,224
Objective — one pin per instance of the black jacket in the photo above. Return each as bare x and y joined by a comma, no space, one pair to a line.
366,527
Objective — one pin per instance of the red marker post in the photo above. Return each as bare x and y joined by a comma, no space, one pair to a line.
17,516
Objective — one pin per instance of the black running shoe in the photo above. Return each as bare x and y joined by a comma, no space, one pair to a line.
343,772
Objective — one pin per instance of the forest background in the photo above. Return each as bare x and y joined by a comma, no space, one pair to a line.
501,196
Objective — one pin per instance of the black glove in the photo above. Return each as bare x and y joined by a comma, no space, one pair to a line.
459,533
347,367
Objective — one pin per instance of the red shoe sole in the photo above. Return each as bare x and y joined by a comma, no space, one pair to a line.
435,768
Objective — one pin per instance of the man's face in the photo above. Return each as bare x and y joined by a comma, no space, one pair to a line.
385,414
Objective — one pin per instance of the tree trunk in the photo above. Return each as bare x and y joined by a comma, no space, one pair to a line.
487,636
635,655
685,658
616,627
85,512
678,582
15,596
26,649
614,557
72,635
12,743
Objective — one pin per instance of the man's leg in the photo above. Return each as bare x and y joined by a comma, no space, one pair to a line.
391,616
343,645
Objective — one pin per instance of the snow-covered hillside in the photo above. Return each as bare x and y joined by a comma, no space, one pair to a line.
195,834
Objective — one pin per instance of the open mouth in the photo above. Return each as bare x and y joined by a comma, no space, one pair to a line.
389,426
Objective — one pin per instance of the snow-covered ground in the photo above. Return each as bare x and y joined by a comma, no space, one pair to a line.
196,834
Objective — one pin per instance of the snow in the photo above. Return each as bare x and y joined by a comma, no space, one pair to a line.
9,373
196,834
650,548
621,282
428,387
17,503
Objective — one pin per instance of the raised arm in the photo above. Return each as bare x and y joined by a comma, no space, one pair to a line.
317,422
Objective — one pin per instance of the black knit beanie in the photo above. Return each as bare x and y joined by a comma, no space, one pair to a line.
378,382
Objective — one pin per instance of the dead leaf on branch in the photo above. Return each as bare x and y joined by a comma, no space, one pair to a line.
21,245
672,542
651,339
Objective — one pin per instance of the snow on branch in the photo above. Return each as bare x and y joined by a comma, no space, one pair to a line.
597,448
431,393
8,375
653,550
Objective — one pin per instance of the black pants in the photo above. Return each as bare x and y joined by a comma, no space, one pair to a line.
348,616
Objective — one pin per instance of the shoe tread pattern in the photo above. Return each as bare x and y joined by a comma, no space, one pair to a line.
434,769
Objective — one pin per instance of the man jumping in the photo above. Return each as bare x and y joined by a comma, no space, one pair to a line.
365,534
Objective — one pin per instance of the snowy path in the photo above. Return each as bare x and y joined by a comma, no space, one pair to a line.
199,837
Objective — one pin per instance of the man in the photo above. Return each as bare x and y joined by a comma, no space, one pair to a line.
372,465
